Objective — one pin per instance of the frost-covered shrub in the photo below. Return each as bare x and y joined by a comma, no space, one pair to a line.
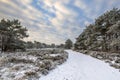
17,60
112,58
117,66
47,64
44,71
30,64
117,61
30,73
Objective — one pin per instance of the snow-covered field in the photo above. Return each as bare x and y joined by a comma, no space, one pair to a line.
29,65
82,67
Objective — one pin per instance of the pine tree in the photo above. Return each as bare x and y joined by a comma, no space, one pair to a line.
68,44
12,33
103,35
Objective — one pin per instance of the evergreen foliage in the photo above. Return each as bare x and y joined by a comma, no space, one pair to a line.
11,35
68,44
103,35
38,45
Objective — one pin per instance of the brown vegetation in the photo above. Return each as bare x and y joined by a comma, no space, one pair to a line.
30,64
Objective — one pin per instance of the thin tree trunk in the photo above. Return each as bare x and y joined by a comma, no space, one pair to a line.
1,43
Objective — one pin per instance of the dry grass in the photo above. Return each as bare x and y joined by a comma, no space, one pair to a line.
112,58
30,64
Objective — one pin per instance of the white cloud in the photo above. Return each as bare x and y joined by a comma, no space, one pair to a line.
46,28
81,4
86,23
96,7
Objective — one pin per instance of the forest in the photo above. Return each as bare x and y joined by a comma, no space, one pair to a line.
102,35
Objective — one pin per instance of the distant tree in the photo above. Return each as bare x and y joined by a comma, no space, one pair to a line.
43,45
62,45
29,45
68,44
37,44
53,45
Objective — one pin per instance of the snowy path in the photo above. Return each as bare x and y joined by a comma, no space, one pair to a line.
82,67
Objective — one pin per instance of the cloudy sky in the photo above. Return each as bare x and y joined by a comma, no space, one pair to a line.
54,21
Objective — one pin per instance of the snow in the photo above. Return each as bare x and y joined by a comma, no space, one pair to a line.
54,55
82,67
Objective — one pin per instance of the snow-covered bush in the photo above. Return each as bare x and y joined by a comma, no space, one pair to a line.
29,65
112,58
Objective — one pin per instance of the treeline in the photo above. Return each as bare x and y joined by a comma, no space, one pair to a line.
12,34
38,45
103,34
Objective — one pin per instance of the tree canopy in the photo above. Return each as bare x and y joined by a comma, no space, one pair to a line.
68,44
103,35
11,35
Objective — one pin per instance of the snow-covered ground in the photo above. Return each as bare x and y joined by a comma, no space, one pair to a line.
30,65
82,67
